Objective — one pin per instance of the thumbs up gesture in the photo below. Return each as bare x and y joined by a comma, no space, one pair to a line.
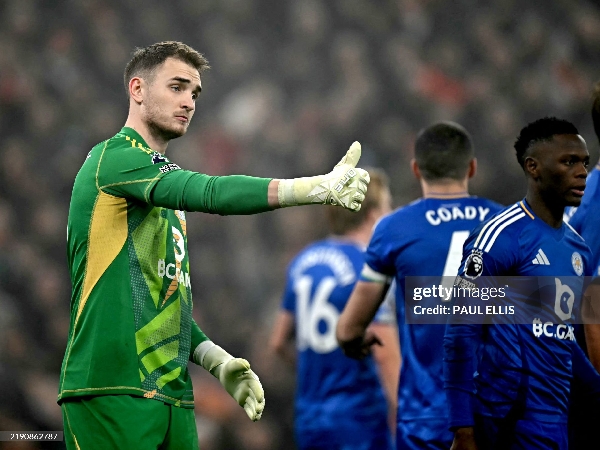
345,185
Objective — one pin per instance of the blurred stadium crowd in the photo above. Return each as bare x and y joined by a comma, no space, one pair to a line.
292,84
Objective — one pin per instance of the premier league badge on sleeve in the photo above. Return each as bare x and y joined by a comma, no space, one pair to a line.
474,265
158,158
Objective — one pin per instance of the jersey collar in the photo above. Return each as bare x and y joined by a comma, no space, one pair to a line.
556,232
135,137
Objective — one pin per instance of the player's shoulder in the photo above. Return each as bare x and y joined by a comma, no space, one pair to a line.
572,232
124,152
125,145
594,175
419,208
95,153
503,229
575,238
402,217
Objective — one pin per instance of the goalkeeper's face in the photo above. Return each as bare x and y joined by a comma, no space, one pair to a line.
170,98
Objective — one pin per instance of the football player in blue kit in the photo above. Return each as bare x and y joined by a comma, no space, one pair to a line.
584,219
508,381
340,404
422,239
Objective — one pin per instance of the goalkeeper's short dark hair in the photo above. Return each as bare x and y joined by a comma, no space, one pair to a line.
342,220
444,150
541,130
145,60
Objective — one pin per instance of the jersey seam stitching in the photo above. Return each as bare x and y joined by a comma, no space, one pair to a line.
122,387
157,177
100,162
126,182
71,428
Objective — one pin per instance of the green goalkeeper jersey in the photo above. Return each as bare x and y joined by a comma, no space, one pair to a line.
131,329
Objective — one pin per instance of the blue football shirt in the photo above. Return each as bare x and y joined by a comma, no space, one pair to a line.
586,217
492,369
424,238
339,400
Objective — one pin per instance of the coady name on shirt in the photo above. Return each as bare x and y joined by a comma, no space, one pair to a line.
454,212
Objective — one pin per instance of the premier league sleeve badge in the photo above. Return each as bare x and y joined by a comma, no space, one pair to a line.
474,265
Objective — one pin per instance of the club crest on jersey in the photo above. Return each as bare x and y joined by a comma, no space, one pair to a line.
474,265
158,158
577,263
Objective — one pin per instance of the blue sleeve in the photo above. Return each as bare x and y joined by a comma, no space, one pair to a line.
460,347
379,255
462,340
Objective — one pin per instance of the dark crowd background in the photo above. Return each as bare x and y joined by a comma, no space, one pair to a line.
292,85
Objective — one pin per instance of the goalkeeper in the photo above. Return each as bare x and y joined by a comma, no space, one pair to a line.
124,380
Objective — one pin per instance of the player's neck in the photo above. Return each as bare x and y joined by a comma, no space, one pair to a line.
447,189
549,212
154,141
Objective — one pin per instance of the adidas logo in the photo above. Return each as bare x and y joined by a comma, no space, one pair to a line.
541,258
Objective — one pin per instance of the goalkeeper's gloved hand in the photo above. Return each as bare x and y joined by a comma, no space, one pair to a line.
345,185
235,375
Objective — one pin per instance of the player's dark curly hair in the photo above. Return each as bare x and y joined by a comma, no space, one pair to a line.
443,150
596,109
541,130
145,60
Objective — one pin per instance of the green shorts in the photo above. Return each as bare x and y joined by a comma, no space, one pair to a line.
126,422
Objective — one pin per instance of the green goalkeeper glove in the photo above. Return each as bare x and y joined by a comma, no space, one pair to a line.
345,185
235,375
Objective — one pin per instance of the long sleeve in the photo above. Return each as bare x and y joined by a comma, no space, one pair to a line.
461,342
226,195
127,168
198,337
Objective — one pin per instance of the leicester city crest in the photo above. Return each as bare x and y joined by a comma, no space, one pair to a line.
577,263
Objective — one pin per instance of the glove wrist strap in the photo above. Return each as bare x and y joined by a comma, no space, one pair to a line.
286,194
201,350
213,358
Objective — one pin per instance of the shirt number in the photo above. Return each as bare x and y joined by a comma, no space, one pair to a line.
312,312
